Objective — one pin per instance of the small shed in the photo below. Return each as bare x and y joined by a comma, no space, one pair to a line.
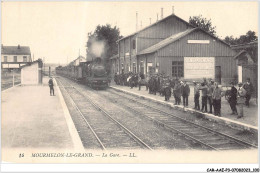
31,74
247,63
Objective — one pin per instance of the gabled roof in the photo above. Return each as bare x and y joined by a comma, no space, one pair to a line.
15,50
39,61
81,57
240,53
247,45
174,38
159,21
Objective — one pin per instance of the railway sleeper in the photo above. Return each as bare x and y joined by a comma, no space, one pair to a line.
219,142
229,146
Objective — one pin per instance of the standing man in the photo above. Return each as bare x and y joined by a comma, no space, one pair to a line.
167,89
51,86
210,91
216,95
204,92
185,94
177,92
233,99
248,86
196,96
141,80
241,93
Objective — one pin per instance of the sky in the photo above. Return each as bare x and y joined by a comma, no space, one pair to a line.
57,31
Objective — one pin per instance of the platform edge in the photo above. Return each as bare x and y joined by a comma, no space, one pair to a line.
78,146
222,120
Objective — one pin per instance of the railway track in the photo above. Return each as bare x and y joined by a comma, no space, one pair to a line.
206,137
108,132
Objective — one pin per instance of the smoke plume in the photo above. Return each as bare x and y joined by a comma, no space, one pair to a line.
97,48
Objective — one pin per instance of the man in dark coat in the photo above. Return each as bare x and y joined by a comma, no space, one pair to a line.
116,79
185,93
204,97
248,86
167,88
209,94
151,85
232,99
177,92
196,95
51,86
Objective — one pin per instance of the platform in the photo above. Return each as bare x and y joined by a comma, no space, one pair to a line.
248,122
31,118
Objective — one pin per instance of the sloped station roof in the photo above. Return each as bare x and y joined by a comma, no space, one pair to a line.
174,38
166,42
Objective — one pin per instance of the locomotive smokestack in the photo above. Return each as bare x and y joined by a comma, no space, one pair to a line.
136,21
161,13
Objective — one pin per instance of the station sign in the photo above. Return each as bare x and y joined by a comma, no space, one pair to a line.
199,67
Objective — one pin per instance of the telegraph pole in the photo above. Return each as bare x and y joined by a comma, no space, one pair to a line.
13,77
43,65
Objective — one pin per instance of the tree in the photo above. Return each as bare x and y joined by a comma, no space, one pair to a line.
243,39
203,23
103,41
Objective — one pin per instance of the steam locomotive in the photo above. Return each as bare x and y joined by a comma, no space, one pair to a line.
91,73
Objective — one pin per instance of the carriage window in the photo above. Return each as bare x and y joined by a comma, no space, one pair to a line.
177,69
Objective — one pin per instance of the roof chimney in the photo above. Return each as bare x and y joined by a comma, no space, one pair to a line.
18,46
172,9
136,21
161,13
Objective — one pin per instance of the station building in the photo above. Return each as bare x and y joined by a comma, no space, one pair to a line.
13,57
247,62
176,48
31,73
77,61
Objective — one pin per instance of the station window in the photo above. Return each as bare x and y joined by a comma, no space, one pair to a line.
24,59
177,69
134,67
15,58
134,45
142,67
5,58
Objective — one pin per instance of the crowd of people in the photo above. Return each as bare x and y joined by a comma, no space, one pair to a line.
207,91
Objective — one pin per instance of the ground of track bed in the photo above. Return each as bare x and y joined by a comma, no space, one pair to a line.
153,134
